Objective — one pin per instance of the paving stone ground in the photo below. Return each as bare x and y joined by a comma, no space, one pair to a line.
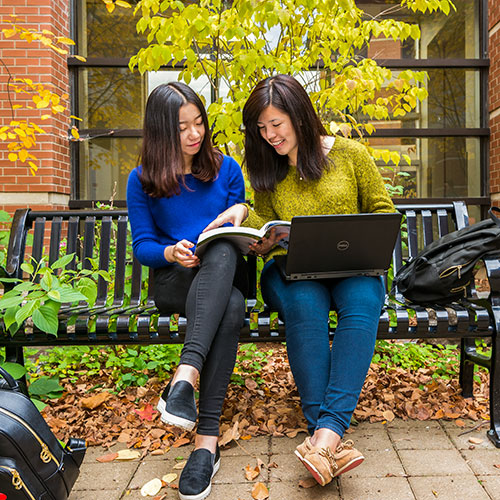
404,460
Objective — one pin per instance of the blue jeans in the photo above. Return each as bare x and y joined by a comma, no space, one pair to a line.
329,380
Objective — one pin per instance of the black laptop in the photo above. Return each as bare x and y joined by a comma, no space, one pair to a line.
339,246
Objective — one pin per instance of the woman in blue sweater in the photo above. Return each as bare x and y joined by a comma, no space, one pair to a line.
182,184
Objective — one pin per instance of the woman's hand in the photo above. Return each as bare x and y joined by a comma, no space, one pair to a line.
235,215
265,244
181,254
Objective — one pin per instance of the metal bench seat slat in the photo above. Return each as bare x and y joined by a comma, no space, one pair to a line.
443,321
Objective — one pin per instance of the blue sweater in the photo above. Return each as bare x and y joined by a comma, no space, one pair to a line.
159,222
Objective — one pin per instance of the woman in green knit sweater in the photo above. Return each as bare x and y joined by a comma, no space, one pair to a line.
295,168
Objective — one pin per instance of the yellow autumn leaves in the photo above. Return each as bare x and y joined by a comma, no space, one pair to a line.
21,133
45,37
111,4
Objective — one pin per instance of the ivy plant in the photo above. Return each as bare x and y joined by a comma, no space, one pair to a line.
47,289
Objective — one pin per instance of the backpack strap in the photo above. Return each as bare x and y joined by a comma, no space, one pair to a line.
493,217
11,382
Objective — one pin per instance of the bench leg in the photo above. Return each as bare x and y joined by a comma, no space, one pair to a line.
494,432
16,355
466,377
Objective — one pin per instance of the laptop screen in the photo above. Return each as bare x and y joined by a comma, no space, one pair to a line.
333,246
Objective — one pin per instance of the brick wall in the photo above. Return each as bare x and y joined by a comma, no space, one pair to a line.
494,98
50,187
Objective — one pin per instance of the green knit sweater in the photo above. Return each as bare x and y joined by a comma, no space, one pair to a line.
352,185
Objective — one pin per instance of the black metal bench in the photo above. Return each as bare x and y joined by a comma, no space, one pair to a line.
131,318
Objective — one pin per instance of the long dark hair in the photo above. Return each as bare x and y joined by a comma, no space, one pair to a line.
161,155
265,166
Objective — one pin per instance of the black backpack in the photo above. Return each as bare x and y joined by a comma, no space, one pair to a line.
443,270
33,464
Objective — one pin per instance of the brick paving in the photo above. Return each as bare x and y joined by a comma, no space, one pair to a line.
405,460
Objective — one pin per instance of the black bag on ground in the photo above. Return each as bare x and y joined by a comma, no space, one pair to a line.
443,270
33,464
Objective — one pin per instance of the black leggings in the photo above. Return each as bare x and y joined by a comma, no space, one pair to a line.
212,299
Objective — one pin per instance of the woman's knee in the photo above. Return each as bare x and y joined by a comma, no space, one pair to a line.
360,294
220,253
300,301
235,310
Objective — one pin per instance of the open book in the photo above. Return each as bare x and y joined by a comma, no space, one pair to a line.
243,237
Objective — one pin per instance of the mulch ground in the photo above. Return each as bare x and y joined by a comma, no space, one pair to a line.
272,407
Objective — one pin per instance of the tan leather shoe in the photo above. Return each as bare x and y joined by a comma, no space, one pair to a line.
325,465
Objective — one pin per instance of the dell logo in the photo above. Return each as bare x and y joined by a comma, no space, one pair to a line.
342,245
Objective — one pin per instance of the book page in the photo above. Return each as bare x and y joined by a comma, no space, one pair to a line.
242,237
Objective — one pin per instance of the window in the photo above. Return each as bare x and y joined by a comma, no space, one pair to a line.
446,137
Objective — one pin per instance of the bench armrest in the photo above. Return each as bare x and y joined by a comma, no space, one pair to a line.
492,265
3,272
17,240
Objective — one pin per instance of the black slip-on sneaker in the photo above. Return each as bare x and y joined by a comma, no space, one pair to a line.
195,482
177,405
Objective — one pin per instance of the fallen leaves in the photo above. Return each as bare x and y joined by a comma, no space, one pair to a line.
260,491
151,488
123,455
308,483
272,408
109,457
475,440
398,393
181,442
126,455
231,434
388,415
169,478
124,437
252,472
92,402
146,413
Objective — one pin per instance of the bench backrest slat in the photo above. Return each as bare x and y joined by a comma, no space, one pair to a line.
38,237
88,242
104,255
411,223
136,287
427,227
55,239
120,264
151,287
397,261
461,214
72,240
442,216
